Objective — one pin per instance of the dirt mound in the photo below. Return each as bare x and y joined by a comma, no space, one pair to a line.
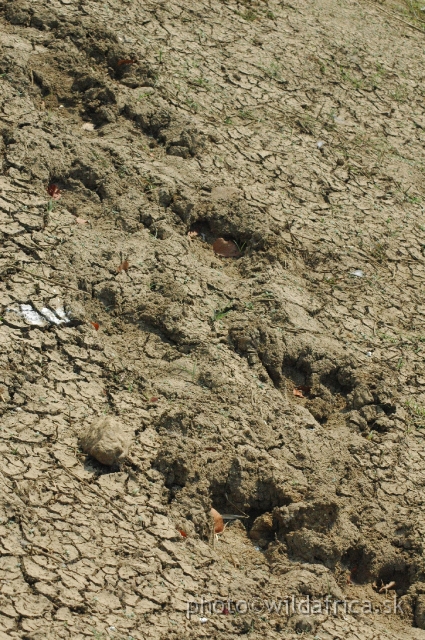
212,255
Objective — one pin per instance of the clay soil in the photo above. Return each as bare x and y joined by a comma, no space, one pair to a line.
284,385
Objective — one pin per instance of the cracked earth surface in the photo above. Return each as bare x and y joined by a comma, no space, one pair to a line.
285,386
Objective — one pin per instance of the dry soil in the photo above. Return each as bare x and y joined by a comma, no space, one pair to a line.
284,386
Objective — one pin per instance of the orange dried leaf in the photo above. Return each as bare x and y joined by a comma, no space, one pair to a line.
153,400
126,61
386,587
218,521
54,191
226,248
123,266
96,325
80,221
301,390
182,533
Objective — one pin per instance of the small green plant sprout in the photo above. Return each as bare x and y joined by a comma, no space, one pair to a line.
249,15
192,104
245,114
202,82
192,372
273,71
219,314
416,413
241,246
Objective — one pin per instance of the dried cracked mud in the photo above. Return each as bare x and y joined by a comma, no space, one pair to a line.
284,386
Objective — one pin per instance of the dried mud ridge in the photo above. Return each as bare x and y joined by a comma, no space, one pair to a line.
296,131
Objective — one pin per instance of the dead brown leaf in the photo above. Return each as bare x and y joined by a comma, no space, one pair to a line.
54,191
226,248
386,587
126,61
301,391
124,266
218,521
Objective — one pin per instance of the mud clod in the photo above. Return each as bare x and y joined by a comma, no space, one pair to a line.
106,441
